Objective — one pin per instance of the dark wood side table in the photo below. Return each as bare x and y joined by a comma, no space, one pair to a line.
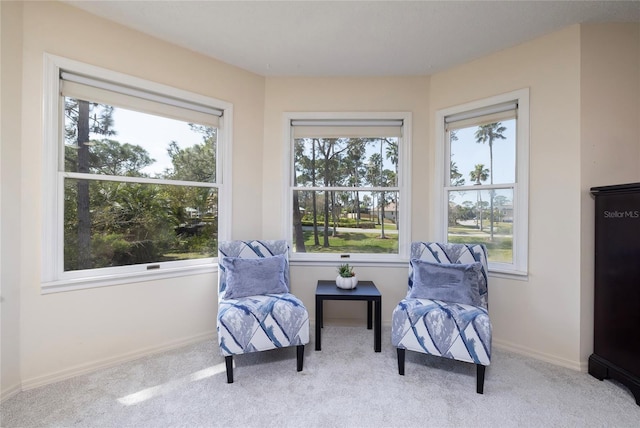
366,290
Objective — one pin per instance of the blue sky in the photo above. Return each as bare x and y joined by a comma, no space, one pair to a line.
153,133
466,153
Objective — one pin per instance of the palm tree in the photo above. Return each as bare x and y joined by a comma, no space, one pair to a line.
374,174
455,176
487,134
354,160
478,175
392,154
297,215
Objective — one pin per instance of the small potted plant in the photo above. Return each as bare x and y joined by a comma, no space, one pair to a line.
346,277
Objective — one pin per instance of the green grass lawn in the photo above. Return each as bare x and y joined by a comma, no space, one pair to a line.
500,249
387,226
349,242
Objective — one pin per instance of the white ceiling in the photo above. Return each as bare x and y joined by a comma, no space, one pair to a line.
353,38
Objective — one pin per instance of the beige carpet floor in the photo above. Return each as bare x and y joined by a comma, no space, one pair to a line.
344,385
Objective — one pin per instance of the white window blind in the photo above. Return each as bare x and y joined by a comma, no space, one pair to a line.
106,92
345,128
482,116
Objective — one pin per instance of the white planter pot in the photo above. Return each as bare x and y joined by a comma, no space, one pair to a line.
347,283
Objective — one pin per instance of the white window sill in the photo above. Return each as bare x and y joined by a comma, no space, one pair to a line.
515,275
399,263
352,262
125,278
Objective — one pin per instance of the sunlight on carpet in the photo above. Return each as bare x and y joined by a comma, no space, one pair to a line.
148,393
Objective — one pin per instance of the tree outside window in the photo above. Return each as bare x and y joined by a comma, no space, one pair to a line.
133,186
122,206
345,189
481,182
342,211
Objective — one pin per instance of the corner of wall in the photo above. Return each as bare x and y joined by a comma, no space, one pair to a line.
10,131
609,136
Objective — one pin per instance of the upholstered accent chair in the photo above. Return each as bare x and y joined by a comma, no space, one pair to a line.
445,312
256,311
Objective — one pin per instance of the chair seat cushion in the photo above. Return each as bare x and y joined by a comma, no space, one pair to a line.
451,330
259,323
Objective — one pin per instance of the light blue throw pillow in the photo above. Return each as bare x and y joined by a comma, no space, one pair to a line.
251,277
456,283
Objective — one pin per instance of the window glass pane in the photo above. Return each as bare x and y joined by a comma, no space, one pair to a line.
342,162
345,222
470,220
492,145
109,223
102,139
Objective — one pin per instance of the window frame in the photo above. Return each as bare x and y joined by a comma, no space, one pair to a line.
53,276
403,186
519,267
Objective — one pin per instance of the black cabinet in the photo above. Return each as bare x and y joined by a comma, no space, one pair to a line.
616,347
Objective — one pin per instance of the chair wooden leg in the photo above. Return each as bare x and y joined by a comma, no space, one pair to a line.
480,379
300,356
401,352
229,362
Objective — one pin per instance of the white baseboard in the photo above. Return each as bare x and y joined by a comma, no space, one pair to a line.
581,366
9,392
81,369
527,352
143,352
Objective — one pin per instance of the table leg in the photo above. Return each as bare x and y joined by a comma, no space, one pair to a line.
378,329
369,314
319,316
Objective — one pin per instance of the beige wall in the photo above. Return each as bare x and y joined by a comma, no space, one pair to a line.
547,316
585,115
64,333
10,105
407,94
539,316
609,133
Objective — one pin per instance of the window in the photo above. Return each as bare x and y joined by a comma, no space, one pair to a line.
134,181
348,186
484,171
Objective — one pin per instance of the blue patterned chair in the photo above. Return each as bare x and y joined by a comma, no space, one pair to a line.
424,322
256,311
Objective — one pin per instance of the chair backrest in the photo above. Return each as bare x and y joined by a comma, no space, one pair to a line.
447,253
250,250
